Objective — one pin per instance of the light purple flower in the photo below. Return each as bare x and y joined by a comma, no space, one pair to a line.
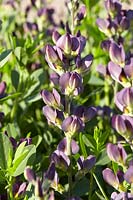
86,164
128,176
60,159
72,125
71,83
85,113
116,153
124,100
117,54
62,146
110,178
123,125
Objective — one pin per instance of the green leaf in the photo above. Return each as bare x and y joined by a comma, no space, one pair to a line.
4,57
6,151
13,130
82,145
17,52
12,96
21,159
94,80
37,140
103,159
79,190
89,141
15,78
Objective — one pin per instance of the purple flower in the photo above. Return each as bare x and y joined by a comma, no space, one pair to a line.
71,83
54,58
29,174
112,7
117,54
86,164
85,113
105,26
54,78
105,45
82,12
121,196
53,116
62,146
83,64
110,178
52,98
72,125
65,43
123,125
128,176
116,153
119,74
38,188
124,100
60,159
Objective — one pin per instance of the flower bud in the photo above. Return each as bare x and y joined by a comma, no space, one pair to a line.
110,178
29,174
38,188
52,98
86,164
116,153
71,83
86,114
65,43
124,100
117,54
123,125
72,125
128,176
51,55
60,159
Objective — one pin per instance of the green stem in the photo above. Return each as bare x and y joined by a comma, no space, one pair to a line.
91,186
101,189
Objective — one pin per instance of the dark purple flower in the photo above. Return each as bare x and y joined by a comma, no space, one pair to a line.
117,54
124,100
83,64
128,176
81,13
62,146
72,125
116,153
119,74
54,78
38,188
123,125
85,113
29,174
54,58
104,111
65,43
104,26
60,159
105,45
52,98
55,36
86,164
110,178
27,140
112,7
53,116
71,83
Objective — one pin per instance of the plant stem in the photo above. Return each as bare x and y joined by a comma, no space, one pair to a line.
91,187
72,18
101,189
68,138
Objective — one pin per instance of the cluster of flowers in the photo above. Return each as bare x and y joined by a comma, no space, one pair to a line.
120,69
69,67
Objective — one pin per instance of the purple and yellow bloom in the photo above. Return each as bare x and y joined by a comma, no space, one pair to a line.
83,64
62,146
53,116
111,178
85,113
128,176
52,99
71,83
124,100
60,159
72,125
29,174
116,153
86,164
117,54
123,124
